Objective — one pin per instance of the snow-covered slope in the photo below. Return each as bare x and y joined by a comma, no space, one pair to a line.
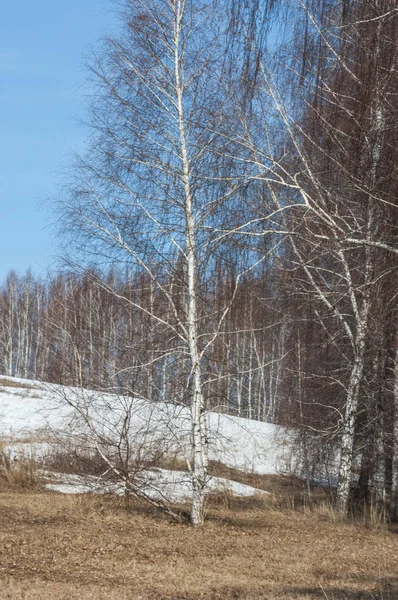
31,409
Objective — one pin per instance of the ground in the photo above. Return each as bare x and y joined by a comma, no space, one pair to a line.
268,547
55,547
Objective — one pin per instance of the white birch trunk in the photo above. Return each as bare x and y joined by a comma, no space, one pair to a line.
198,417
348,435
347,441
394,483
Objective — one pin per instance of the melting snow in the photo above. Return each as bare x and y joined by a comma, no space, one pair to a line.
35,412
175,486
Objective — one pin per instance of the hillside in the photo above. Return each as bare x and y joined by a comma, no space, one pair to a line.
257,546
33,414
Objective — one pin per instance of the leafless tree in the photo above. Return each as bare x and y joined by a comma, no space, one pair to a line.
116,442
160,182
325,155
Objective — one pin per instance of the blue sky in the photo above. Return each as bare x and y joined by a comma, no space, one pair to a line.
41,98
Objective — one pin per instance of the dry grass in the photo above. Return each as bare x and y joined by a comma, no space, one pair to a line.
288,491
80,547
173,463
5,382
17,475
73,461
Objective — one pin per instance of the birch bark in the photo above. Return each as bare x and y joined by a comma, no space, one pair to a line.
198,417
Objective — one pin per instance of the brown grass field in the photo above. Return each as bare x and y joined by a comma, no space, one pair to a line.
80,547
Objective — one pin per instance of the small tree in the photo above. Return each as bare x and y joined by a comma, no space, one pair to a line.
118,439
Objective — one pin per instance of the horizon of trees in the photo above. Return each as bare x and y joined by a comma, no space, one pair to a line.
73,330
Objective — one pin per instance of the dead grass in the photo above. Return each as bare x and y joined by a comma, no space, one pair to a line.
288,491
79,547
5,382
73,461
174,463
21,477
17,475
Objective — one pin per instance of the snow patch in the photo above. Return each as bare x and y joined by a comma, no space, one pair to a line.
158,484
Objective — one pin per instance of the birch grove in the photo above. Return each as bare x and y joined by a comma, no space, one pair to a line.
336,198
232,232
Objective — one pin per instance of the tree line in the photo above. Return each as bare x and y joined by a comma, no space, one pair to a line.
84,330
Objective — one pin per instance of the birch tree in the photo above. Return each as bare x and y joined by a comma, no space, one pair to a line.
159,178
327,177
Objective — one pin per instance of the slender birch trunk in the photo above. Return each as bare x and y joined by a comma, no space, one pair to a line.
350,413
198,417
376,136
394,483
